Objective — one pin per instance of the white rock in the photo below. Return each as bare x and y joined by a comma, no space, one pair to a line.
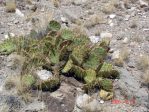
44,74
125,41
127,17
93,105
116,55
6,36
105,35
112,16
101,101
19,13
143,3
94,39
82,100
12,34
79,2
63,19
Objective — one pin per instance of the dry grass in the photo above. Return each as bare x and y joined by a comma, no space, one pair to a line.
56,3
124,53
146,77
109,7
10,6
143,62
122,56
16,82
94,20
4,108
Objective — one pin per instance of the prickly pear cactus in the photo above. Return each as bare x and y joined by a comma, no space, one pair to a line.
79,56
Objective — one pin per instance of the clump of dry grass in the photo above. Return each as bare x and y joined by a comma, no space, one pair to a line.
146,77
10,5
124,53
16,82
122,56
143,62
94,20
109,7
56,3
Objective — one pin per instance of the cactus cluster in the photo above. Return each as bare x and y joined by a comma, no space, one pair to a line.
64,52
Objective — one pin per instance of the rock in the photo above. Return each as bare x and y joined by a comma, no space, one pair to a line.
112,16
125,41
16,22
143,3
127,17
93,106
10,5
94,39
44,74
46,81
63,19
82,100
79,2
35,106
105,35
19,13
117,59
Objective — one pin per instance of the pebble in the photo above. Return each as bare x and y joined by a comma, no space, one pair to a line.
101,101
127,17
94,39
44,74
105,35
125,41
143,3
112,16
79,2
19,13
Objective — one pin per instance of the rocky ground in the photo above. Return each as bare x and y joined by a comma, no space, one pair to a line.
125,22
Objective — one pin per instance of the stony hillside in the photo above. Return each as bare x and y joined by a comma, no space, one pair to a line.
74,56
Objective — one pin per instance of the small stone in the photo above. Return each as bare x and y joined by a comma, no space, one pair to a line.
6,36
94,39
125,41
143,3
112,16
127,17
79,2
16,22
12,34
101,101
44,74
63,19
105,35
19,13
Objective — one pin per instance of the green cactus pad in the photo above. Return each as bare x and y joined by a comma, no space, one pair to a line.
95,59
107,71
7,47
54,26
78,54
106,84
90,76
67,34
49,85
68,66
78,72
